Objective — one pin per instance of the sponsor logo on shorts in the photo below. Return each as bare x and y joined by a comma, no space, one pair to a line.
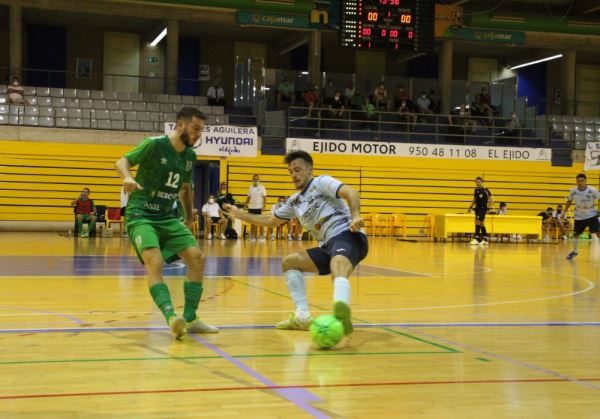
138,241
340,250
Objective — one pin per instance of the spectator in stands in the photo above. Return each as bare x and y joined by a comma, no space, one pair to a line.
483,104
216,95
328,92
370,113
255,203
380,97
213,215
435,101
461,119
560,222
349,94
512,127
357,101
547,221
285,94
423,104
84,212
337,106
15,92
399,96
280,202
406,115
311,100
502,210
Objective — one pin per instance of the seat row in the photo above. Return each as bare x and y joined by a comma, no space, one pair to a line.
58,92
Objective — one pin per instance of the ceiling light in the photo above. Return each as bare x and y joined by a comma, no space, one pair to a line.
541,60
159,38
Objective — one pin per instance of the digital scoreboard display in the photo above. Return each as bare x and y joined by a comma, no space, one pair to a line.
388,24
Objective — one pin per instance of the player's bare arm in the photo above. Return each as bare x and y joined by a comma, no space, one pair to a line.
185,197
123,169
567,206
265,220
353,199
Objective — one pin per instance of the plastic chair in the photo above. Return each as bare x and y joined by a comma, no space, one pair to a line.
430,225
397,221
113,216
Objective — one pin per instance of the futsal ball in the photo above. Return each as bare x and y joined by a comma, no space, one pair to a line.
326,331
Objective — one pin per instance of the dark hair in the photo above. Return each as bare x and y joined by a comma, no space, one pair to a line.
299,154
559,206
16,77
549,209
479,178
87,189
502,204
189,112
581,176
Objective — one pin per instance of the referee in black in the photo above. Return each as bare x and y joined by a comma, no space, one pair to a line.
482,201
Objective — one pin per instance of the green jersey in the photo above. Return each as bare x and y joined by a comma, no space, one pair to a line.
161,172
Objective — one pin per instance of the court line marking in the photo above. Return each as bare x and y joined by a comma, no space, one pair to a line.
513,361
297,395
269,326
299,386
182,358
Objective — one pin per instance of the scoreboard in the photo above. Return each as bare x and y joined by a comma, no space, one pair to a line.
388,24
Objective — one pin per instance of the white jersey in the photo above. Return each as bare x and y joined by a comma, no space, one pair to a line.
584,202
319,209
212,210
257,196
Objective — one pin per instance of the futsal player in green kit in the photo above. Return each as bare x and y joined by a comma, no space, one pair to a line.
164,175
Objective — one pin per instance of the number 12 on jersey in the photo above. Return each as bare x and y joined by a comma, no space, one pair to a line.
173,181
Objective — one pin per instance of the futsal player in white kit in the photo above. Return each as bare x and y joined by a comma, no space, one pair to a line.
584,198
320,208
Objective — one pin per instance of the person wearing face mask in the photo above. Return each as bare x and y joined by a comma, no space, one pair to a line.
15,92
380,97
213,216
423,103
224,197
285,94
279,204
85,213
165,168
483,104
337,106
460,121
255,203
216,95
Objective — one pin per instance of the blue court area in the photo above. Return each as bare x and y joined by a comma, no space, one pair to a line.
101,265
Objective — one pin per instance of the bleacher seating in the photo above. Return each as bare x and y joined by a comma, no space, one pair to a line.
96,109
576,130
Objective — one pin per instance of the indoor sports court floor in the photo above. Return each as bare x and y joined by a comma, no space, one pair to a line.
443,331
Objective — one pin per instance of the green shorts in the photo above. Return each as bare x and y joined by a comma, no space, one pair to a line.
171,236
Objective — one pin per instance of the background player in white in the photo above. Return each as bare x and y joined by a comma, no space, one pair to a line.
320,208
583,197
255,203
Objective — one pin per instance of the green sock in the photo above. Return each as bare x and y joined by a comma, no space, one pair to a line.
79,227
162,298
193,292
92,227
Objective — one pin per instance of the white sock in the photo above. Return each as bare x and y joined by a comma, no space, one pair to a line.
341,290
295,283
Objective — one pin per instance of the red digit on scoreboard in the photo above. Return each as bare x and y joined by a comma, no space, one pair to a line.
393,33
366,31
394,2
384,32
411,35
